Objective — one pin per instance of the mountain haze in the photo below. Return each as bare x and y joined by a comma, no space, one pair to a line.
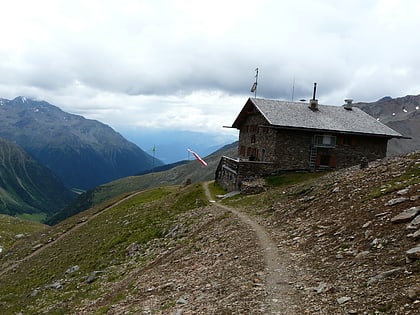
83,153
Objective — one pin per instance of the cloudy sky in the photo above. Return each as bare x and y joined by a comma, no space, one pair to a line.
190,64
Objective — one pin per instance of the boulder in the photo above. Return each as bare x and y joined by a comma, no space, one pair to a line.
406,215
414,224
132,249
413,293
343,299
72,269
93,276
396,201
413,253
415,235
385,274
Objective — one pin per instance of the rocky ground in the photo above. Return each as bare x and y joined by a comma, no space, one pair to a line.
353,239
217,268
347,243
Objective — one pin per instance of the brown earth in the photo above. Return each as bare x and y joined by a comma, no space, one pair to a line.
322,247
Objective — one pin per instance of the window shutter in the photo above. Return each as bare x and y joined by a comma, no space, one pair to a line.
333,161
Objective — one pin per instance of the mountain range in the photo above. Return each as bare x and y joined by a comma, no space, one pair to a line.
89,155
346,241
83,153
401,114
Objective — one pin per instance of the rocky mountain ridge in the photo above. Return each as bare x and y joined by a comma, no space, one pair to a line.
83,153
401,114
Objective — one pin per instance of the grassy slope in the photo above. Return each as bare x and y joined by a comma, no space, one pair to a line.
27,188
10,227
98,245
101,243
175,176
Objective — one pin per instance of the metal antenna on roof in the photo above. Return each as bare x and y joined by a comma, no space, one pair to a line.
293,90
254,86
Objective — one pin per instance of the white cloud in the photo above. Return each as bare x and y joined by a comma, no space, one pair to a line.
190,64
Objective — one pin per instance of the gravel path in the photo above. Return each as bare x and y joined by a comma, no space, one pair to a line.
278,284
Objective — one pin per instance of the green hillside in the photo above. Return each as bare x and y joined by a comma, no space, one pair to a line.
27,188
342,240
14,229
94,241
178,175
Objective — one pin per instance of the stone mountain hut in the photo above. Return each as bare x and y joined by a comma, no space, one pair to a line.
278,136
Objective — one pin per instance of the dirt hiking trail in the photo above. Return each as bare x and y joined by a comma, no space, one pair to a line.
277,281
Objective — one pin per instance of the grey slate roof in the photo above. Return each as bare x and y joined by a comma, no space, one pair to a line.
327,118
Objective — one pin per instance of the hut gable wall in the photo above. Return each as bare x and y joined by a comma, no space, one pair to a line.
257,142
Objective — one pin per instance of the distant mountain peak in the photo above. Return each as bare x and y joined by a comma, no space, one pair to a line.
84,153
385,98
401,114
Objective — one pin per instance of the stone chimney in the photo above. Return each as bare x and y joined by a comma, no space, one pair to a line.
349,104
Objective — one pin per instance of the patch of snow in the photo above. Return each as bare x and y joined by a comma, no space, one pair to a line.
36,110
23,98
417,107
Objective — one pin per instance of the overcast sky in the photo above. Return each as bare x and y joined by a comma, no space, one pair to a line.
190,64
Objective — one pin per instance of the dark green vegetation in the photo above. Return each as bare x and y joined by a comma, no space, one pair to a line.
27,188
99,243
83,153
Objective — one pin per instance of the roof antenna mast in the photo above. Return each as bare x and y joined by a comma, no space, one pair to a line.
293,90
254,86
